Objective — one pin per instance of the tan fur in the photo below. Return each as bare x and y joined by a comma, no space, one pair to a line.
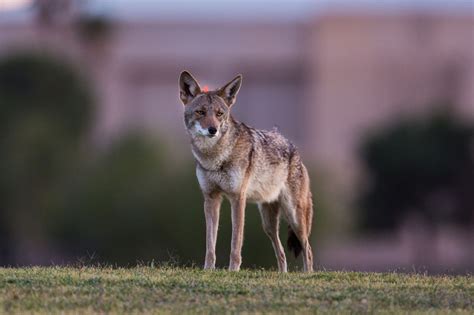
243,163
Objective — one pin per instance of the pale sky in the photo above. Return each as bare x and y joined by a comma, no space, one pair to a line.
262,9
12,4
275,10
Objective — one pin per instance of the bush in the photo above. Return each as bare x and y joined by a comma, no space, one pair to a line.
45,110
423,166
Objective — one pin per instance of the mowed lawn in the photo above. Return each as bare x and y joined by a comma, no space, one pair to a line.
177,290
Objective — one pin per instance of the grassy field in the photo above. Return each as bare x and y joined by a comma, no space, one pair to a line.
175,290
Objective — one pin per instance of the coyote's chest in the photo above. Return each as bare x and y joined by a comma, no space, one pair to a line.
259,185
228,181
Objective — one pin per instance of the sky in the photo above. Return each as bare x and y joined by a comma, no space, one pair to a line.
262,9
279,10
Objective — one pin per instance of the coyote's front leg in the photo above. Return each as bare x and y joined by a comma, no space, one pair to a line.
238,216
212,204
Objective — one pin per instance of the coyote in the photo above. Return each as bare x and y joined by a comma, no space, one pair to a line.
243,163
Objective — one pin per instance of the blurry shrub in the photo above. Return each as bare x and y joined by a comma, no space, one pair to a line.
129,205
36,86
421,166
45,109
132,203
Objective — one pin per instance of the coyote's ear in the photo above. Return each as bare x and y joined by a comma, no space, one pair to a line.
229,91
188,87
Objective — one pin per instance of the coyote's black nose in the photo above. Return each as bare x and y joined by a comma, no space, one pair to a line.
212,130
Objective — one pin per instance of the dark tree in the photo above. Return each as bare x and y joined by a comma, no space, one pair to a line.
420,166
45,110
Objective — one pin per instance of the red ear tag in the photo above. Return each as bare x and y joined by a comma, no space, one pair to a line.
205,88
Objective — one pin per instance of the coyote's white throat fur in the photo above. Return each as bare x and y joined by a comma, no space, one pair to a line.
245,164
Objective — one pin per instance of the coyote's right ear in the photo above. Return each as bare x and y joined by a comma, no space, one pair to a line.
189,87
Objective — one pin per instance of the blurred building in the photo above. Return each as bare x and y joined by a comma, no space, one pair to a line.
369,69
324,81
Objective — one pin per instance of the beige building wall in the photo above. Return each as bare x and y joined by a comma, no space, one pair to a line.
323,83
145,61
369,69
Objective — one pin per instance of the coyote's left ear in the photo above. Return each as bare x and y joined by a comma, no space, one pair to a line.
229,91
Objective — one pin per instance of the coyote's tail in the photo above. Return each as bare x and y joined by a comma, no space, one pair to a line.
293,242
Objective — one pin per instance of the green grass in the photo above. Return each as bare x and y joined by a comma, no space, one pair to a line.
177,290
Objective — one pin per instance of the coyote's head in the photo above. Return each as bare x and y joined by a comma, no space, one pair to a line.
207,113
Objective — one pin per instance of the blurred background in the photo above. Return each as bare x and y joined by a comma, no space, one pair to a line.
95,165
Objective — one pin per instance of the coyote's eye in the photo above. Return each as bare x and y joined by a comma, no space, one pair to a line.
219,114
201,112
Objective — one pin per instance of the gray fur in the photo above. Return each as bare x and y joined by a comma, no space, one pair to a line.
244,163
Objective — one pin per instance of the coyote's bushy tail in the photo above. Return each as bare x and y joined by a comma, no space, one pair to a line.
293,242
